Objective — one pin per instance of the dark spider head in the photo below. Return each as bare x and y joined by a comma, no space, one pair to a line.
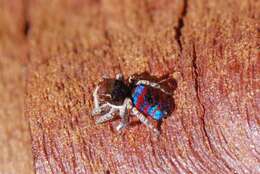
114,91
120,91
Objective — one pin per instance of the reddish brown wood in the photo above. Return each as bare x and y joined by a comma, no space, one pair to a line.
15,142
209,47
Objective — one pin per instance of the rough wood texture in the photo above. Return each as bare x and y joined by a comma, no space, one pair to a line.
15,142
209,47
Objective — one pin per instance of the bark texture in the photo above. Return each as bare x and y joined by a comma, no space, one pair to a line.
209,47
15,142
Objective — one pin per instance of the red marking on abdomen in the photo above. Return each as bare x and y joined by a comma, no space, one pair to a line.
147,107
140,99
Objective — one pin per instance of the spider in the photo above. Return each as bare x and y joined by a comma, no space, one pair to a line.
139,97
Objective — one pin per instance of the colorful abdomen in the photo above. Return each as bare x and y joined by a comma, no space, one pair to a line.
147,101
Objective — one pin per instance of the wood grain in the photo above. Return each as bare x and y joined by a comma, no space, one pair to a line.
209,48
15,142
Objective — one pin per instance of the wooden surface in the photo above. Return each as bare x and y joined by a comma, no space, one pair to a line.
209,47
15,141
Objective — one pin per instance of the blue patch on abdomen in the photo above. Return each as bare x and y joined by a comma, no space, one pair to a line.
138,91
139,98
158,115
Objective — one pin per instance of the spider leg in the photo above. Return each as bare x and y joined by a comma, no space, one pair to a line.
152,84
108,116
123,115
100,109
119,76
144,120
97,108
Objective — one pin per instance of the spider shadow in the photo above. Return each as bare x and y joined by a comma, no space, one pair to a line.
169,84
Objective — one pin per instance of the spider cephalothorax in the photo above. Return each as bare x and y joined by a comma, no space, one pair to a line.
120,91
142,97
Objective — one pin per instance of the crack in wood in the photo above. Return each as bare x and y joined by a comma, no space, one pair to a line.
180,25
196,86
26,21
26,27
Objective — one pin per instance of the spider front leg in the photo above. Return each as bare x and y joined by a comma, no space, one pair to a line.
106,117
152,84
145,121
124,115
97,108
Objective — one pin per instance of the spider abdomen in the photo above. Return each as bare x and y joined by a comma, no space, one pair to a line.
149,101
